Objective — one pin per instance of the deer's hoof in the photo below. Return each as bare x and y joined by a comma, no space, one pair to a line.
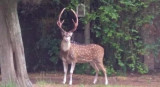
70,83
64,82
94,82
106,83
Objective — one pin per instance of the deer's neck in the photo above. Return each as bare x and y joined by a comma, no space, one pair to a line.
65,46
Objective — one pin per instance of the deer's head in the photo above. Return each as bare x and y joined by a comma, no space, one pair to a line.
67,35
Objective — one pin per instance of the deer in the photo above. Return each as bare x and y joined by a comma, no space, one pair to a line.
72,53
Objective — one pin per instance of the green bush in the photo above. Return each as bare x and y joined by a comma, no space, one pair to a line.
116,26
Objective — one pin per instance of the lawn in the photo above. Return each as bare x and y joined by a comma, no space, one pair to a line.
45,84
130,80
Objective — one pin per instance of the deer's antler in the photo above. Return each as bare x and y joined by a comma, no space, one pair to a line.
75,23
59,22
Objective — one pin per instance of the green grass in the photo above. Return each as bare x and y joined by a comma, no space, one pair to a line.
41,83
45,84
102,86
81,85
8,85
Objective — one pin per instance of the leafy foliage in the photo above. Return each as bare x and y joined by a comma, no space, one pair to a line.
153,48
121,32
41,35
115,24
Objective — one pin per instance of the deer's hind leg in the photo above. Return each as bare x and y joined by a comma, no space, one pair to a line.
101,67
96,69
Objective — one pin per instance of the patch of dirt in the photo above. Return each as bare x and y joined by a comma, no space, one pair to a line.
135,80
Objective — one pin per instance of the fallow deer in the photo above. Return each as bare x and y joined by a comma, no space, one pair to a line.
72,53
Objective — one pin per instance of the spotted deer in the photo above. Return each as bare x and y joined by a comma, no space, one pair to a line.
72,53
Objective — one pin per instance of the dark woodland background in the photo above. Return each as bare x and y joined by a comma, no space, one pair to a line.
128,31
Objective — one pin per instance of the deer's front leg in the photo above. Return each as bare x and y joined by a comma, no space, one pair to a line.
65,66
71,72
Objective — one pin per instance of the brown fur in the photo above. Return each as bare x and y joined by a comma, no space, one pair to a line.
72,53
83,53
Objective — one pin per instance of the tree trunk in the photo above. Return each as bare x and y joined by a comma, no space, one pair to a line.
87,33
87,26
13,65
148,38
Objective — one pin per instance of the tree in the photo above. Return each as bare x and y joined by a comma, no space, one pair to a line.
13,65
87,26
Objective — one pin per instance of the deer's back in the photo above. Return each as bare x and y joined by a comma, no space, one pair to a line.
87,53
